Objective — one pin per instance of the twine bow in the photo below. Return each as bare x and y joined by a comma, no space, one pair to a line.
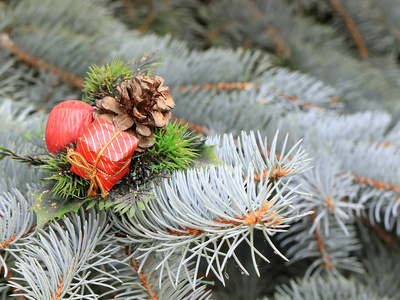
78,160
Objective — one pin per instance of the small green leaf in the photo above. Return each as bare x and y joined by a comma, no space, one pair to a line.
28,137
141,205
132,211
4,152
123,210
91,204
37,134
207,157
48,206
105,203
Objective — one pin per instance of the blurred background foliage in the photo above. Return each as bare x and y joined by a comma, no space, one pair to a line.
327,71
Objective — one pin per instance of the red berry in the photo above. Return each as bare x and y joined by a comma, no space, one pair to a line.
67,121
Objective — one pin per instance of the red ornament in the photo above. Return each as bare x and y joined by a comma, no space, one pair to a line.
103,155
67,121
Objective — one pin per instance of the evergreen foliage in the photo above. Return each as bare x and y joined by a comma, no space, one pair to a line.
312,214
102,81
174,149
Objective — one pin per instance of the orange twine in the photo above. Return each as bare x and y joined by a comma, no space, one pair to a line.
78,160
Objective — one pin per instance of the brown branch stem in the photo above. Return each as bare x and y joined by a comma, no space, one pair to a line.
251,219
321,245
351,26
143,277
8,44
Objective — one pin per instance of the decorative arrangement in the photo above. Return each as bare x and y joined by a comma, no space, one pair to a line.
119,140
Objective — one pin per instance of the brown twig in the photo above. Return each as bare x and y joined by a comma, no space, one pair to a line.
248,85
212,34
325,257
5,244
129,11
8,44
385,236
277,173
282,48
143,277
16,291
251,219
299,101
380,185
192,127
59,289
351,26
149,19
219,86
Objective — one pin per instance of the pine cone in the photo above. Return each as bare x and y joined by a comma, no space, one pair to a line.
142,104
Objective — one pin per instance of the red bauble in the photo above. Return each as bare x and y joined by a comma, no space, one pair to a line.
67,121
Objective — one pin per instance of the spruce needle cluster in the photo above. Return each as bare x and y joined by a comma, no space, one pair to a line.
66,183
174,148
102,80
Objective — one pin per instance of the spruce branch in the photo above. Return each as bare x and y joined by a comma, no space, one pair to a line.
203,230
330,253
281,92
34,160
250,150
375,185
276,83
332,193
201,215
128,195
66,259
17,223
369,25
331,287
60,180
145,65
386,237
381,262
148,281
307,41
379,196
230,204
103,81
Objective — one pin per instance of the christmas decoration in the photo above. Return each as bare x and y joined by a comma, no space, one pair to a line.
67,121
103,155
142,105
321,70
122,134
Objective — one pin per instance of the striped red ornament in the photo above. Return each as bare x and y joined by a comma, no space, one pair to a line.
103,155
67,121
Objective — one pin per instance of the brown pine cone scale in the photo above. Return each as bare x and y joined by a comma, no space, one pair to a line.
142,104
